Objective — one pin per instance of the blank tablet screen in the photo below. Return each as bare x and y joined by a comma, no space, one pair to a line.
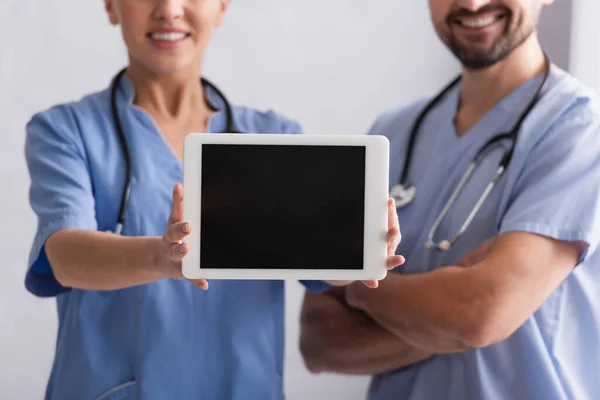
282,206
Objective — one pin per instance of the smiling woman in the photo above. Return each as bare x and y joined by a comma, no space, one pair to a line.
166,42
129,325
167,38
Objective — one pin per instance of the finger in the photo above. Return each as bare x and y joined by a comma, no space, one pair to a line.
395,261
177,231
373,284
391,213
394,236
177,205
393,240
393,233
201,283
177,251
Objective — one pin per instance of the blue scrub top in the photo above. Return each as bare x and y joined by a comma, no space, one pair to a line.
165,340
551,188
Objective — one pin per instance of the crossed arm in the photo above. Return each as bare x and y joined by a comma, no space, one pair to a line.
452,309
337,338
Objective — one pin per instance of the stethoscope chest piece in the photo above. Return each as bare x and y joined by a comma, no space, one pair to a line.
403,195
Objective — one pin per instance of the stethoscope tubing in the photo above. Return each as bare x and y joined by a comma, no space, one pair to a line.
404,193
230,128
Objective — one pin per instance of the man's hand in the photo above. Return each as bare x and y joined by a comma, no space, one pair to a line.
171,249
393,240
336,338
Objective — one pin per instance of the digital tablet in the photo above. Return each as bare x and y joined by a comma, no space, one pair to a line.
286,206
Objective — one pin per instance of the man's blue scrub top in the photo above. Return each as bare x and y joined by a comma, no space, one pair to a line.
551,188
165,340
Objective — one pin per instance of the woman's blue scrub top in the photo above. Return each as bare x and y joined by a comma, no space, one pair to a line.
168,339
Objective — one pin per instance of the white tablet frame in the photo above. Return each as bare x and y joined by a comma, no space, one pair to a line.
376,212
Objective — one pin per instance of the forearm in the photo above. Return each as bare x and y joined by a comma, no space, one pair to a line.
101,261
446,311
336,338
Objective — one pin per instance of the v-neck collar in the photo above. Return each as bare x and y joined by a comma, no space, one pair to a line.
493,122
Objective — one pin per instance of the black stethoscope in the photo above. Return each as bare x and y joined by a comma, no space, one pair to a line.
229,128
404,193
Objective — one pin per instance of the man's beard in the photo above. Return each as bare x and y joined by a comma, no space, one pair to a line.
501,49
513,36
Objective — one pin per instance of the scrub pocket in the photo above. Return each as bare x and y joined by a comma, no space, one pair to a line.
124,391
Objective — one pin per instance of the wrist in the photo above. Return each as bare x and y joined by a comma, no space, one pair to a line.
156,258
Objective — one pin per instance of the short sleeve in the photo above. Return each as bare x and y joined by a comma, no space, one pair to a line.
388,122
557,194
292,127
60,191
316,286
375,128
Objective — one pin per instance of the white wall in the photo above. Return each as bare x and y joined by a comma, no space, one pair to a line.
555,34
585,49
333,65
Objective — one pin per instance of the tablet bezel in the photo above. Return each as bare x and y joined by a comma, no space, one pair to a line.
375,213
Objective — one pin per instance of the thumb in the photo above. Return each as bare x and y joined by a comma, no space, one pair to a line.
177,205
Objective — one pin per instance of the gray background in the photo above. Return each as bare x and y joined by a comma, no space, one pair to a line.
555,33
333,65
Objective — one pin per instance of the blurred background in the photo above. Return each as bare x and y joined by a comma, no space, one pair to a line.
332,65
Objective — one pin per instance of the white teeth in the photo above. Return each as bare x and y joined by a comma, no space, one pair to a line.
168,36
478,22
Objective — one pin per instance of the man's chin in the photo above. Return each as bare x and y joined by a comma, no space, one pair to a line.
476,60
476,64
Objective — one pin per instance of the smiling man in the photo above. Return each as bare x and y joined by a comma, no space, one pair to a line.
498,297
